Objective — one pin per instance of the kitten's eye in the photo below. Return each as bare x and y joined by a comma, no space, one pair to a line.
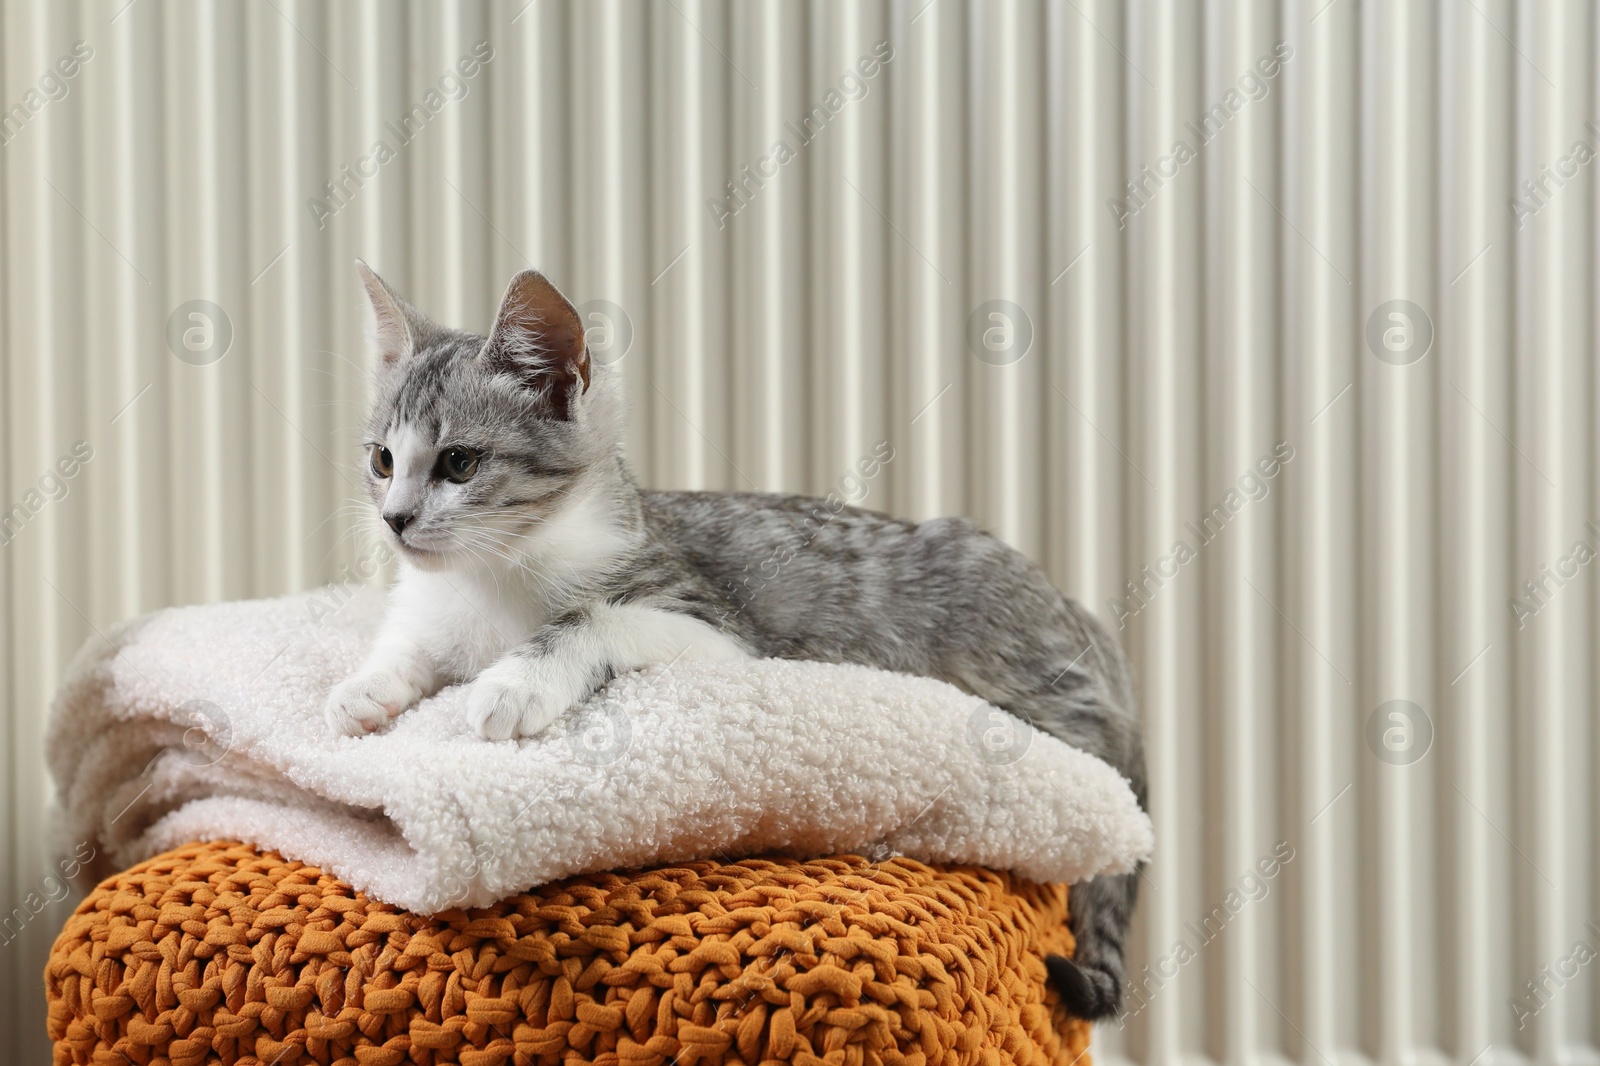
382,461
459,464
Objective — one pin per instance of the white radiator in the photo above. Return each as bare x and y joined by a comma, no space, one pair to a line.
1267,328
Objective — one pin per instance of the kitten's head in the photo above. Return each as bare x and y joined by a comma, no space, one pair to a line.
475,443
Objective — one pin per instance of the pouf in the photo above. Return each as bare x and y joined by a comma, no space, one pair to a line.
219,952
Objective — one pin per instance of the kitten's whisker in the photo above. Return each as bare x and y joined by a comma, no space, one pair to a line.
358,368
350,508
465,537
477,558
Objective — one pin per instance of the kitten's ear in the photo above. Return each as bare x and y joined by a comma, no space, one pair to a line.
538,337
397,328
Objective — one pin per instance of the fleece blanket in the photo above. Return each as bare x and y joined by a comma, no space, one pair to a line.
206,723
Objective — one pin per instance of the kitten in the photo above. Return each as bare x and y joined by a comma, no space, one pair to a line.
534,567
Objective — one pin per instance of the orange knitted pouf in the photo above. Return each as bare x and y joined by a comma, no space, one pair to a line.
223,953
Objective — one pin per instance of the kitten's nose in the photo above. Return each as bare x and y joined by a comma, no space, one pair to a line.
397,522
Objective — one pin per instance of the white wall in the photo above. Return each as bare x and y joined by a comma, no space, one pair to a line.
1172,349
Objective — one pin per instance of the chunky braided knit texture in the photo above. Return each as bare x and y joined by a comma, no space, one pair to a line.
221,953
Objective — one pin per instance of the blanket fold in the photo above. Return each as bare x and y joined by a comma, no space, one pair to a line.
202,723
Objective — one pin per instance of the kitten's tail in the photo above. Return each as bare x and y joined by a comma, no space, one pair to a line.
1089,705
1099,911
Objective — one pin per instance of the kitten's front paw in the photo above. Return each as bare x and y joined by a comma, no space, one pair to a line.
364,702
507,702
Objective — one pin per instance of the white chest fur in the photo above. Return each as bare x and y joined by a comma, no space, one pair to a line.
465,620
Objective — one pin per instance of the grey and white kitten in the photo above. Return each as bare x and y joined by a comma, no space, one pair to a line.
533,566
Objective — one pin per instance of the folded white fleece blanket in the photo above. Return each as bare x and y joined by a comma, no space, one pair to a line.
206,723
